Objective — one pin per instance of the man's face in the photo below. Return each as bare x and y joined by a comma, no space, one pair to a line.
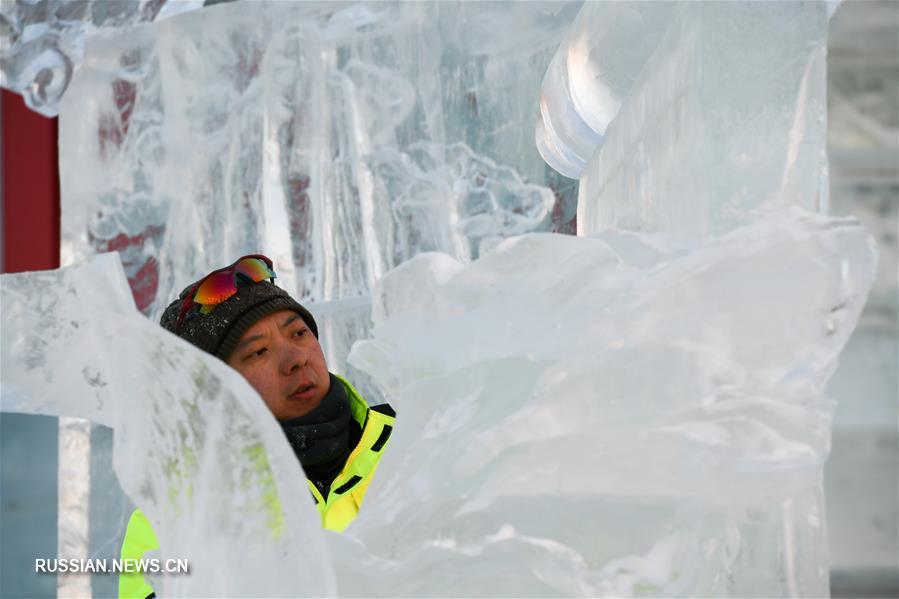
283,361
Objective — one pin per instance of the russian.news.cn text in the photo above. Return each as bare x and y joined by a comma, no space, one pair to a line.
111,566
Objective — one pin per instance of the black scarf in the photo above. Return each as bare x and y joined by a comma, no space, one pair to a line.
323,439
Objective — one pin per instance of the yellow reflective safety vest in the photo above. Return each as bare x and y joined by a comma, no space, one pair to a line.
337,511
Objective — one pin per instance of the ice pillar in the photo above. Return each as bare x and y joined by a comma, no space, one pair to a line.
693,120
706,113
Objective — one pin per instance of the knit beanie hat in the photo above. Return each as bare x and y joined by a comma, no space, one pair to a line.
219,331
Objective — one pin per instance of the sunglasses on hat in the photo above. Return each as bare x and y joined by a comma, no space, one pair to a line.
221,284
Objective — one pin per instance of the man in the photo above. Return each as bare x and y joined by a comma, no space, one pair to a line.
238,315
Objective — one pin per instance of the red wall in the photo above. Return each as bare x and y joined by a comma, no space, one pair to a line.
30,188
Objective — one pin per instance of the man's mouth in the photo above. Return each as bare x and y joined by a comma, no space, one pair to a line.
303,391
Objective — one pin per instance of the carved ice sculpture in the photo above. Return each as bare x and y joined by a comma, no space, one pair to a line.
622,414
689,116
42,42
694,120
340,139
618,415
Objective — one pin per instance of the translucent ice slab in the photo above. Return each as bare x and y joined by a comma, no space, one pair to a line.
340,139
614,415
194,446
728,116
689,115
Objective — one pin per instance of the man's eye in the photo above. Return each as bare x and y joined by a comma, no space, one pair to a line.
259,352
300,333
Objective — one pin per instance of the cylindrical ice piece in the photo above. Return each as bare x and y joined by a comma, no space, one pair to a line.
571,138
591,75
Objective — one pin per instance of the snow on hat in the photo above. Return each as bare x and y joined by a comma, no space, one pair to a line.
219,331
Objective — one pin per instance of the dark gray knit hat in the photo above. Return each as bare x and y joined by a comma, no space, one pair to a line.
219,331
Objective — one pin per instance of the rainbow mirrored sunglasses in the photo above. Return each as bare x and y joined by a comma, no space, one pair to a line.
221,284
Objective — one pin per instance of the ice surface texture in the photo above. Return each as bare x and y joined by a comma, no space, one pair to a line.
689,115
591,75
627,417
42,41
339,139
624,414
194,445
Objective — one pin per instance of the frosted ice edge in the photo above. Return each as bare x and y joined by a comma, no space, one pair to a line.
672,406
195,447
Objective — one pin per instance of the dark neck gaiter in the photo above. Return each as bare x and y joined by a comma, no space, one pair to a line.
323,439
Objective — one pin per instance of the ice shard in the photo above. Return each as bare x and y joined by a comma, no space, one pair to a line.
629,417
194,445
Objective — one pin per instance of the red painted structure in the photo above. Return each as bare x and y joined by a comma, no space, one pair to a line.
30,188
31,197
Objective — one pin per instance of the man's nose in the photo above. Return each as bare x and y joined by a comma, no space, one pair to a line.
293,357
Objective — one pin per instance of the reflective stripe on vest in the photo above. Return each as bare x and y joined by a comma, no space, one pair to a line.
139,539
344,497
349,487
